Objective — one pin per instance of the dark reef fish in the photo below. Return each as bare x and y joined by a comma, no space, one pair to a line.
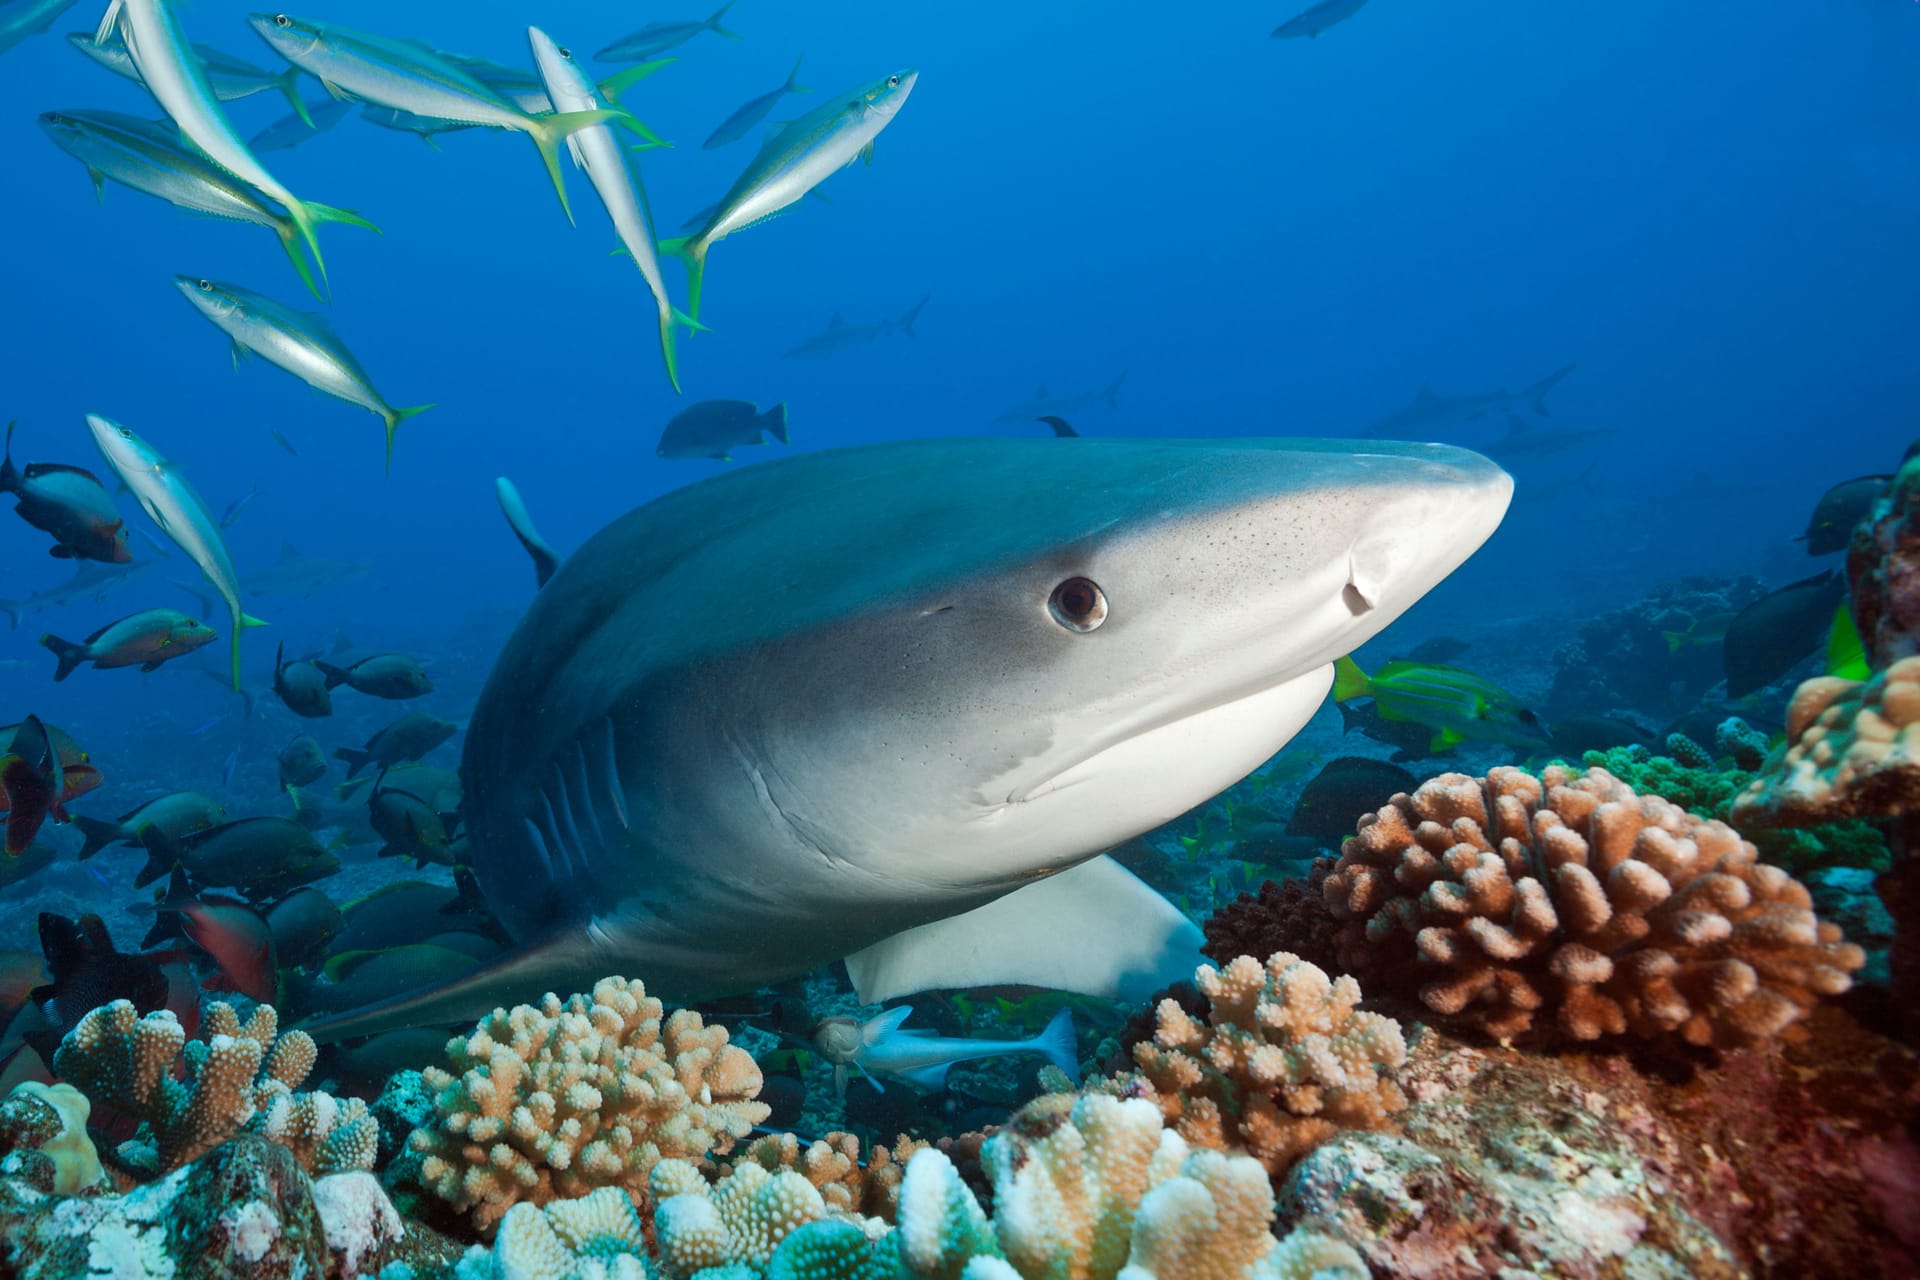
301,685
1340,793
87,971
261,857
1780,630
302,761
715,428
1841,508
871,732
67,503
382,675
179,814
408,738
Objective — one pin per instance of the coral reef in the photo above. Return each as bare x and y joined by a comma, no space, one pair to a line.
1283,916
599,1235
43,1138
554,1100
238,1075
1642,658
1573,897
740,1222
1853,751
1741,743
1283,1060
1883,572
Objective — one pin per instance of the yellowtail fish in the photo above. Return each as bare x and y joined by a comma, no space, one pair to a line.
150,158
413,78
792,163
174,75
656,38
753,111
170,501
614,178
297,341
232,78
1457,705
1711,629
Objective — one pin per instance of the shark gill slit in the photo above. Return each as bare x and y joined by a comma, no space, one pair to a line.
613,779
540,846
586,799
562,856
576,848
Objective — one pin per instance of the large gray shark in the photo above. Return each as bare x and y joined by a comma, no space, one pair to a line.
91,580
1430,413
292,574
891,703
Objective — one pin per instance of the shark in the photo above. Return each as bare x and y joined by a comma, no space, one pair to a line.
892,704
1525,442
1045,404
292,574
1431,413
91,580
841,336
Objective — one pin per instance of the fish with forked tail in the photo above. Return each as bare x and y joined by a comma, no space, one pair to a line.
408,738
881,1047
70,504
148,640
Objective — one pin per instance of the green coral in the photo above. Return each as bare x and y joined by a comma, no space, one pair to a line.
1709,792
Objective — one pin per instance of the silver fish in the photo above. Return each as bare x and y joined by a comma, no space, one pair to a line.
20,19
753,111
231,78
298,341
656,38
793,162
171,503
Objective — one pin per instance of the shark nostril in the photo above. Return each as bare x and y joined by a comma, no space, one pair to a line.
1356,599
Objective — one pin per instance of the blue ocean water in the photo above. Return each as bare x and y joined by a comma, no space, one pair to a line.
1707,210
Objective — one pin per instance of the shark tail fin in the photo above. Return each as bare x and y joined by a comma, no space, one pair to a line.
906,321
71,655
15,613
793,86
713,23
393,418
1112,393
548,132
692,251
1058,1046
774,423
1537,393
1349,681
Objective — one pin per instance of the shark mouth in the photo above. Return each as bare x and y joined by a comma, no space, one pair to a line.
1196,753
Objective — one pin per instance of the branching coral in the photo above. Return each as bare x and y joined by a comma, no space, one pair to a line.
1283,1060
551,1101
1283,916
596,1237
740,1222
1513,896
238,1075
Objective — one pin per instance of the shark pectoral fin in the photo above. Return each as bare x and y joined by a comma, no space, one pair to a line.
569,961
1095,929
888,1023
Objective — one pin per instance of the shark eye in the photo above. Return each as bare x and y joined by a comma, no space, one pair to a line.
282,20
1078,604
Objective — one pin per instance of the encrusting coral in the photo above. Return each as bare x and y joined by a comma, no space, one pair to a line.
238,1076
1283,1060
554,1100
43,1137
1572,896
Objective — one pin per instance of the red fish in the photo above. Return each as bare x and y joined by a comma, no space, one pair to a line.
33,780
78,774
233,933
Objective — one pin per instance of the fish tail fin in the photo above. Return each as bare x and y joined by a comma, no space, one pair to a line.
1537,393
692,251
307,224
15,614
906,321
162,855
289,86
620,81
9,474
71,655
792,85
393,418
290,242
1349,681
355,760
713,23
548,132
1676,640
329,213
98,834
108,21
1057,1044
241,622
1112,393
335,676
774,423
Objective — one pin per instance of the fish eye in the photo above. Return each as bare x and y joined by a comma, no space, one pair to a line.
1078,604
893,82
206,286
127,432
566,53
282,20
